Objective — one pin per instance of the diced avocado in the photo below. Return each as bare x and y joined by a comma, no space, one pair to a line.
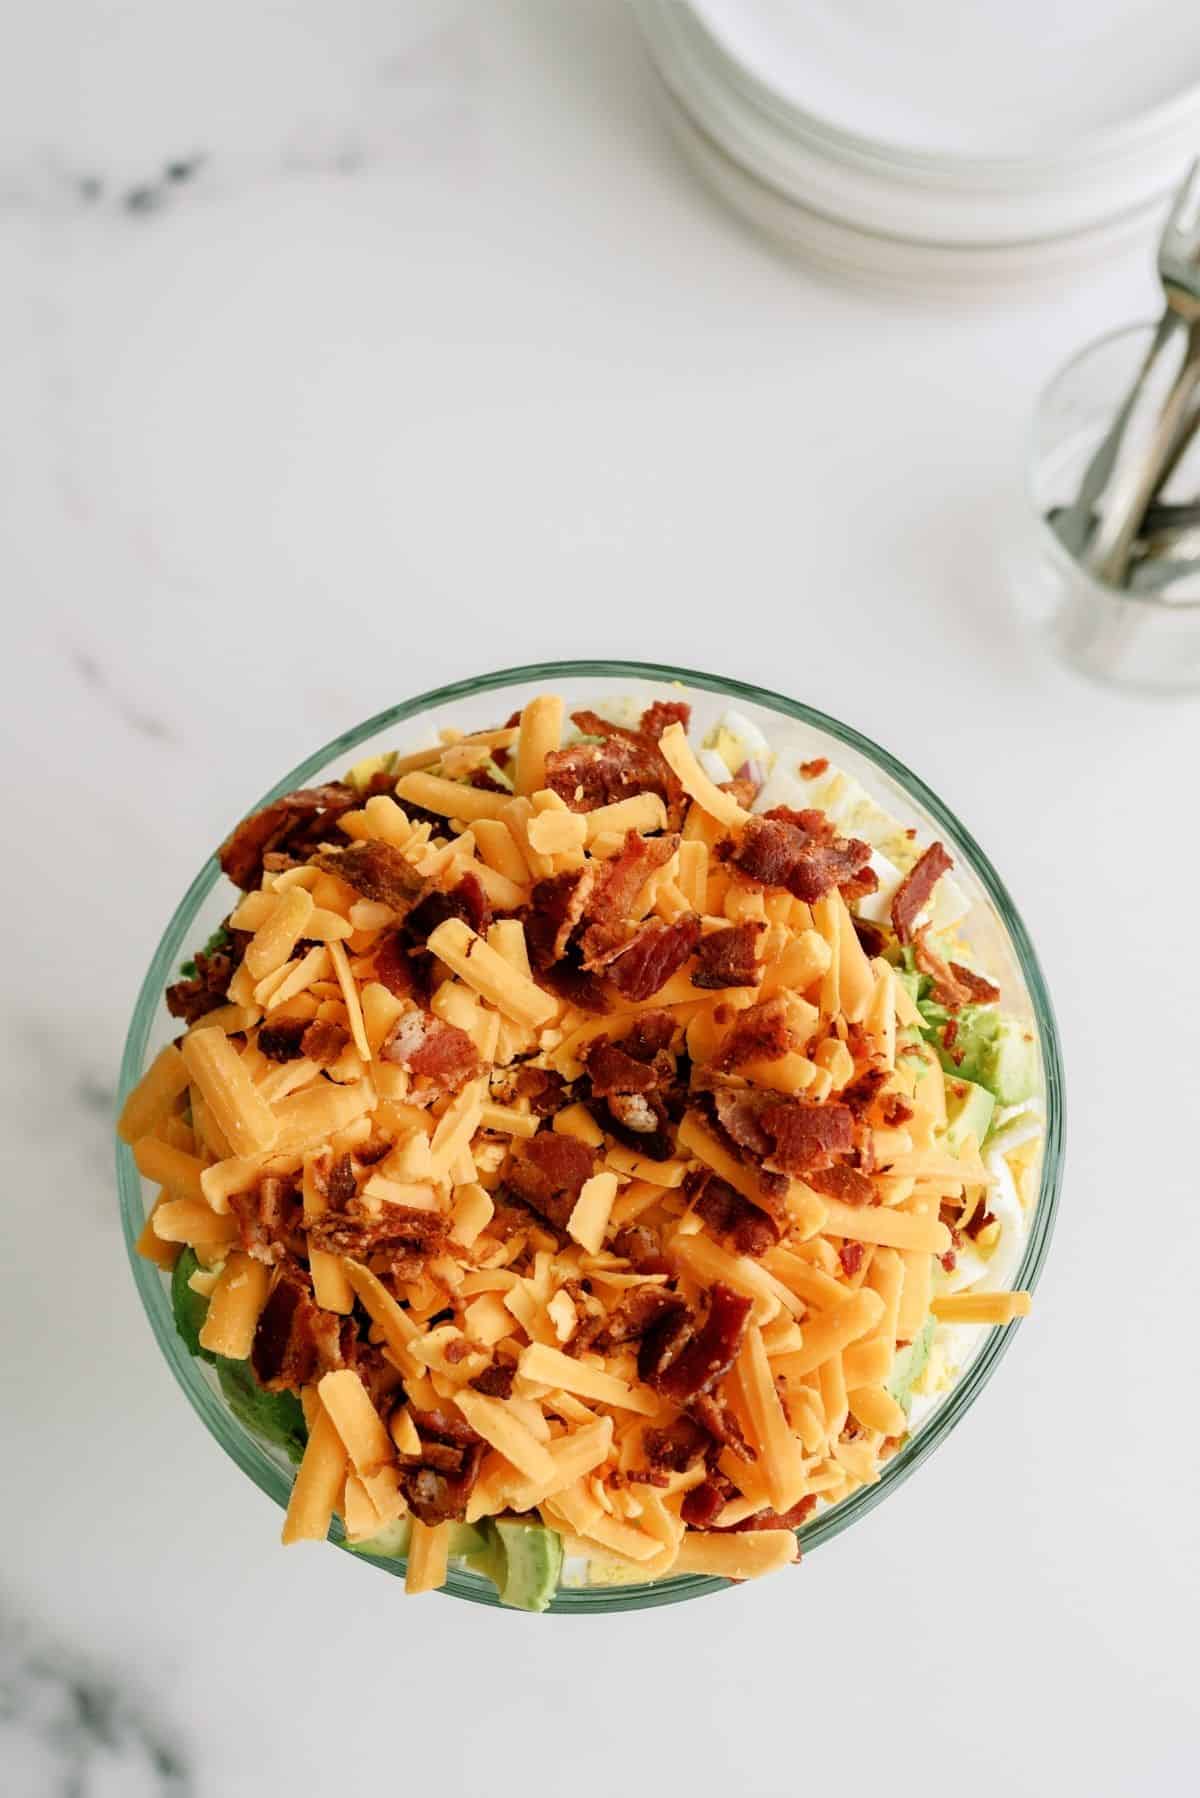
969,1111
190,1308
991,1050
391,1542
909,1365
533,1558
1008,1063
388,1544
275,1416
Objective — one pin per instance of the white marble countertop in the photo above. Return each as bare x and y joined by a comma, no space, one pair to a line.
435,359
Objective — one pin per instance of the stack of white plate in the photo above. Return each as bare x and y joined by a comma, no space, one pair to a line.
920,141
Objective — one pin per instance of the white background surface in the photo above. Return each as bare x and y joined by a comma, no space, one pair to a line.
454,368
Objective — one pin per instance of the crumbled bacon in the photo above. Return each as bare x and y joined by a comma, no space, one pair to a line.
850,1255
807,1136
760,1033
280,1041
377,871
980,1222
639,1245
208,987
293,825
403,1237
295,1341
790,1519
495,1381
739,1113
812,770
708,1352
542,1088
650,958
609,904
744,1228
729,957
322,1042
438,1482
467,901
640,1121
842,1182
588,775
269,1218
980,991
393,968
741,789
704,1503
613,1070
713,1414
678,1446
555,910
872,939
548,1175
895,1110
652,1033
341,1183
863,1090
428,1046
663,712
800,852
912,895
639,1310
576,985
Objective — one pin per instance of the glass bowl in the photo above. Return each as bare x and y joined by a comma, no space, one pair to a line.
1143,641
993,926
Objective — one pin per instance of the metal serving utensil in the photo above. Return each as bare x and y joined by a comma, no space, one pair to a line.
1078,525
1108,552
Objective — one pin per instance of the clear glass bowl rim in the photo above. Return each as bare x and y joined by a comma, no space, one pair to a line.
1051,544
242,1448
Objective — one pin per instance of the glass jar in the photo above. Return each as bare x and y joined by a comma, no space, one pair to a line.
1139,640
993,927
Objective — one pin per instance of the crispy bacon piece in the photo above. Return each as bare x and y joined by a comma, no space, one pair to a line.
613,1070
641,1248
980,991
207,988
656,717
843,1182
913,892
739,1112
677,1447
807,1136
611,901
467,901
269,1218
639,1310
377,871
549,1175
800,852
438,1482
863,1090
624,763
741,1226
818,765
403,1237
555,910
871,937
760,1033
295,1341
652,1033
979,1222
850,1255
704,1503
393,968
281,1041
293,825
650,958
495,1381
706,1354
790,1519
322,1042
729,957
567,980
542,1088
713,1414
430,1047
341,1183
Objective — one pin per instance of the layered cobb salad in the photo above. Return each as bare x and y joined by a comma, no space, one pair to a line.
588,1153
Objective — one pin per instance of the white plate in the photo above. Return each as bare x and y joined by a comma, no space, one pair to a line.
979,78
